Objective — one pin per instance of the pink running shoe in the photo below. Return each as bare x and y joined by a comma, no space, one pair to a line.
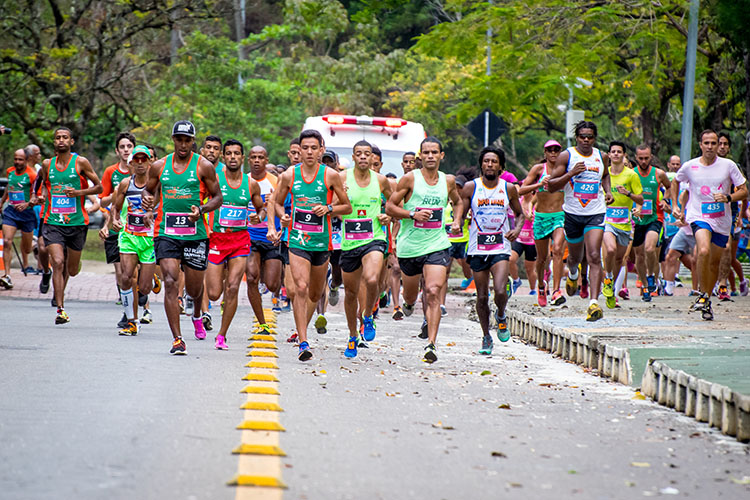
220,342
624,294
584,290
200,330
547,275
541,296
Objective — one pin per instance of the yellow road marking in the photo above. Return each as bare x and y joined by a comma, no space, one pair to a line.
261,406
270,338
265,481
261,425
254,389
262,364
262,345
262,354
258,449
260,376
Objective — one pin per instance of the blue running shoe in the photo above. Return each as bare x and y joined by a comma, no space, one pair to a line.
517,284
304,351
351,348
465,283
651,284
369,331
503,334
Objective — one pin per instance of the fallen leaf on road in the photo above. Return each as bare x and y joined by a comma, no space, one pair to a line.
571,471
390,395
510,358
638,395
546,384
515,485
640,464
440,425
450,344
486,372
744,480
499,454
504,406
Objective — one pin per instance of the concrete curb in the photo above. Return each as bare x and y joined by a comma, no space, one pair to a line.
708,402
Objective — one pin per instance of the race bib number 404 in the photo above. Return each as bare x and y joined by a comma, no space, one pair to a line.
61,204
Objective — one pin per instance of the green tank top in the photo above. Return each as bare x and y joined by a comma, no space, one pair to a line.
422,238
362,225
19,186
61,210
180,191
309,231
650,185
232,215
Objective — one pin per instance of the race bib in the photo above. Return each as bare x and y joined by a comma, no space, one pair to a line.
648,207
178,224
618,215
487,242
16,197
261,225
358,229
460,233
136,223
585,190
712,209
434,222
306,220
231,216
61,204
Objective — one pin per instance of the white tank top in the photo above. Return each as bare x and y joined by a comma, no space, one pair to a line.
489,221
584,194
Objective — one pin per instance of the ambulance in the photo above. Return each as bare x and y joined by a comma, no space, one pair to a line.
394,137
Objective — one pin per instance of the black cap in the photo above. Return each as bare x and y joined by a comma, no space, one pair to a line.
183,127
332,155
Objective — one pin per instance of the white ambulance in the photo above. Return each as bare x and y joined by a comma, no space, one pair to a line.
394,137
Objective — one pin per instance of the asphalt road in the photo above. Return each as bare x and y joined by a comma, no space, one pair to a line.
87,414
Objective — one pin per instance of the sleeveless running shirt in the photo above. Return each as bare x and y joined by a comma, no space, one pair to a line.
309,231
61,210
179,191
259,232
19,185
650,185
583,193
490,220
232,215
132,214
362,225
421,238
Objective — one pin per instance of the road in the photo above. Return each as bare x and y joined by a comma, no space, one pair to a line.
85,414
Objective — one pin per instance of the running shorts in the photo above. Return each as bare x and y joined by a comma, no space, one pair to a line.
190,253
142,246
522,248
622,237
480,263
112,248
24,220
639,235
576,226
546,223
318,258
225,246
412,266
72,237
351,260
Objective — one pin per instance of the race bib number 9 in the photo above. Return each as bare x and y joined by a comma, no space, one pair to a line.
618,215
231,216
306,220
16,197
434,222
178,224
584,190
487,242
712,210
61,204
358,229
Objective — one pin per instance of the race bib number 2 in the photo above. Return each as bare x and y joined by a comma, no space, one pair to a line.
358,229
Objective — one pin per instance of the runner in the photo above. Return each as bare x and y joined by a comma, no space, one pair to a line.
310,231
364,244
648,227
626,191
211,150
422,245
582,173
19,214
265,257
409,161
490,239
67,177
180,232
549,219
524,245
229,242
136,238
113,175
710,181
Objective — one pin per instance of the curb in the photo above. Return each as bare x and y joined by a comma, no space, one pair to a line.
708,402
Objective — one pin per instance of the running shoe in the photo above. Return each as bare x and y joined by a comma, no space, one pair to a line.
608,288
584,289
503,334
53,302
157,284
408,309
678,282
571,286
275,305
532,292
147,317
304,352
430,353
123,321
694,293
517,284
541,297
189,305
734,293
207,322
62,317
221,342
351,348
465,283
262,288
744,287
645,295
131,329
181,302
200,331
30,270
706,312
423,330
547,275
594,312
509,287
558,298
286,304
320,324
638,283
383,302
6,283
368,332
487,344
178,346
44,284
624,293
443,311
333,294
699,303
262,329
398,313
651,281
293,338
723,294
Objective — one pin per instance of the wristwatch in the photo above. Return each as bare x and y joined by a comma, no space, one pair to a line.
412,214
330,208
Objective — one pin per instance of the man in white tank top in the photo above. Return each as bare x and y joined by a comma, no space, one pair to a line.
582,172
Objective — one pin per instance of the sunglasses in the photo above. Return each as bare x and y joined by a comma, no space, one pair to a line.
586,136
553,149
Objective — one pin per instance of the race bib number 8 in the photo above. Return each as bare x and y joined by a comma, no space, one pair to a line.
712,210
306,220
584,190
16,197
231,216
487,242
61,204
434,222
136,223
358,229
618,215
178,224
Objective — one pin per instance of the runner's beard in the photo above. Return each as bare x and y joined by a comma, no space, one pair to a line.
490,177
